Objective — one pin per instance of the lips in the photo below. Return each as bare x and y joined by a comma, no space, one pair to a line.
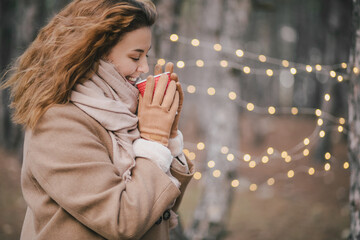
131,80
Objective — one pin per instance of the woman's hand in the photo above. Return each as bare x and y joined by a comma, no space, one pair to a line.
157,110
169,67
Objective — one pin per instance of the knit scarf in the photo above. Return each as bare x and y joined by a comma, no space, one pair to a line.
112,101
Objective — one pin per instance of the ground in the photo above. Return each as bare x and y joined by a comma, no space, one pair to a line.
306,206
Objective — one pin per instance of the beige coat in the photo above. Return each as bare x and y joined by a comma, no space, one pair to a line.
73,190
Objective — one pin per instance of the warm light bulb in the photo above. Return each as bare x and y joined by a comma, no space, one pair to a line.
346,165
197,175
340,78
327,166
174,37
344,65
269,72
250,107
265,159
271,110
270,181
270,150
311,171
239,53
216,173
318,67
306,152
217,47
211,164
230,157
192,156
235,183
262,58
342,120
246,70
224,63
247,157
195,42
320,122
322,133
308,68
285,63
224,150
318,112
327,97
306,141
293,71
200,63
327,156
252,164
211,91
340,129
161,61
356,70
180,64
288,159
200,146
253,187
332,74
294,111
232,95
191,89
284,154
290,174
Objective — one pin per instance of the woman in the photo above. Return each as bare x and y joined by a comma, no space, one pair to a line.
93,167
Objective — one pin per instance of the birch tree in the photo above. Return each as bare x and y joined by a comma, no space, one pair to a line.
354,125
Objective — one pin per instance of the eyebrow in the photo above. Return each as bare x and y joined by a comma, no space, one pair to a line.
141,50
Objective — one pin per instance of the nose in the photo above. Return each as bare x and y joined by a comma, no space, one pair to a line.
143,66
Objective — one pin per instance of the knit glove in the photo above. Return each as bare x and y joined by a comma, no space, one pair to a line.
169,67
157,110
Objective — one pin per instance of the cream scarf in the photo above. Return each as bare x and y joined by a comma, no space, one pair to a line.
112,101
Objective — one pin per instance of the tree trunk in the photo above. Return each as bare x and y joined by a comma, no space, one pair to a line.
354,126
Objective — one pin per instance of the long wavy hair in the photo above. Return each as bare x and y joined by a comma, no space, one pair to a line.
67,51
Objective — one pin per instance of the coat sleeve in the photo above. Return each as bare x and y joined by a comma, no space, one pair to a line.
69,161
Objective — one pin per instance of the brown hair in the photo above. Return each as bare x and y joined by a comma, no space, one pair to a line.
68,49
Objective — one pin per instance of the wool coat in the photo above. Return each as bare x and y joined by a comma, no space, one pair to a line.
73,191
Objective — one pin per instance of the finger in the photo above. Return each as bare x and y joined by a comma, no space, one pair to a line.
160,89
169,67
158,69
169,96
181,96
149,89
175,104
174,77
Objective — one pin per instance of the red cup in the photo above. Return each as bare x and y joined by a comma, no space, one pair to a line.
141,84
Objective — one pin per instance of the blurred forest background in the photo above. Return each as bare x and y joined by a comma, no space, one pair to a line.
264,117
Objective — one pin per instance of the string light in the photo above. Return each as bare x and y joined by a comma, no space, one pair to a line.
340,129
306,152
250,107
252,164
235,183
270,181
253,187
320,122
271,110
195,42
269,72
294,111
308,68
265,159
318,67
340,78
327,156
342,120
284,154
232,95
270,150
344,65
217,173
239,53
311,171
322,133
306,141
174,37
318,112
327,167
247,70
180,64
293,71
224,63
346,165
224,150
211,164
288,159
192,156
200,63
200,146
161,61
197,175
327,97
211,91
285,63
217,47
290,173
356,70
247,157
332,74
191,89
230,157
262,58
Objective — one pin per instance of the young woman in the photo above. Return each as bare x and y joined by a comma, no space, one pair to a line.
98,165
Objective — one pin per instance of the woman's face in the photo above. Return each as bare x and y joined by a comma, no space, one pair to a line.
129,55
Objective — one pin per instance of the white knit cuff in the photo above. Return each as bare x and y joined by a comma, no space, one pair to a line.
156,152
176,144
